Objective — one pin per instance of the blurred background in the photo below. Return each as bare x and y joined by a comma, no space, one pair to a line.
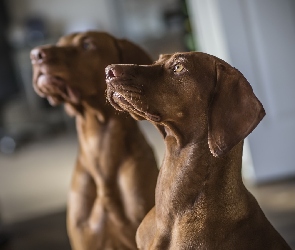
38,143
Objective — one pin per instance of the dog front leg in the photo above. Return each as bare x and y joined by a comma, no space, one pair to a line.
80,204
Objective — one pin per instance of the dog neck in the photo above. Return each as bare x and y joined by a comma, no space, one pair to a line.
99,133
92,106
196,178
96,117
95,108
183,130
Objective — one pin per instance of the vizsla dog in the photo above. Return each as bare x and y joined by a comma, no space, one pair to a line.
113,185
204,108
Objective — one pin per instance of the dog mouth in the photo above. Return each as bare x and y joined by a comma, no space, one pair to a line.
130,101
119,100
55,88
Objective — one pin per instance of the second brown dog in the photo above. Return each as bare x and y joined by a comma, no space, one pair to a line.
115,175
204,109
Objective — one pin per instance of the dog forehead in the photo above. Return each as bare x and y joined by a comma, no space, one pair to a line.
78,37
66,40
183,57
164,57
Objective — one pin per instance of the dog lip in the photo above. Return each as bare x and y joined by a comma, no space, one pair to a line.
116,94
125,85
118,100
122,104
111,96
55,88
48,79
124,96
51,78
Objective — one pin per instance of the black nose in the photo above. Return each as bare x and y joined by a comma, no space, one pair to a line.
38,55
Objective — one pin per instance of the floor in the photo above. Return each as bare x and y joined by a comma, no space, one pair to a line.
277,200
34,183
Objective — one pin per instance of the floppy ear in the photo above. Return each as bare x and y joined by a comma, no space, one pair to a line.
234,112
132,54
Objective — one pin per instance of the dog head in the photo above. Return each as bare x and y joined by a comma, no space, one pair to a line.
73,70
193,93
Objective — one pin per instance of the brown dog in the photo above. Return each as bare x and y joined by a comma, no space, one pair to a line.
113,185
204,108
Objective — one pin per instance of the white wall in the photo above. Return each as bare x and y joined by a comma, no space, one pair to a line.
144,19
123,18
258,38
65,15
207,28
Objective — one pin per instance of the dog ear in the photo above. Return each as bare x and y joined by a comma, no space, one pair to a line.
130,53
234,111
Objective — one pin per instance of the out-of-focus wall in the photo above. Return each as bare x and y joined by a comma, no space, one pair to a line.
34,179
127,18
63,15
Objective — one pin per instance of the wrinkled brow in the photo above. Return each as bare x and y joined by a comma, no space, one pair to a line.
179,58
176,58
79,38
163,58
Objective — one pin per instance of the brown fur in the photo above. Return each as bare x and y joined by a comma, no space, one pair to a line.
115,175
204,108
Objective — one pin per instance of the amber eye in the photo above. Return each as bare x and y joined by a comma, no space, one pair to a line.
178,68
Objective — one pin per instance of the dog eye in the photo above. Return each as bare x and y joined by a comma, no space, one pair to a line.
88,45
178,68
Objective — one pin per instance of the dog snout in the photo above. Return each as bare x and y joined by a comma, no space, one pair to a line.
113,71
39,55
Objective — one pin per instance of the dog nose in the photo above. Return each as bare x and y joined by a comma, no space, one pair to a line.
113,71
38,55
109,73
